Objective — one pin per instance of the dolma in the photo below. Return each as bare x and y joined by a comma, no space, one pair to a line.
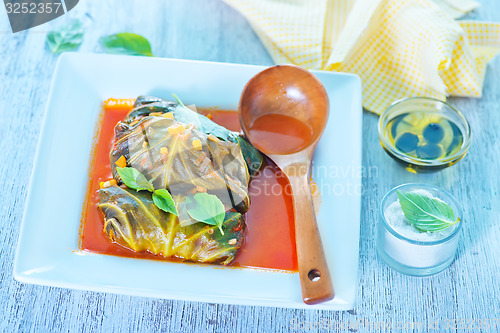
183,152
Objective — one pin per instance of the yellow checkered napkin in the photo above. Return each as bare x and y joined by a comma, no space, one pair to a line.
399,48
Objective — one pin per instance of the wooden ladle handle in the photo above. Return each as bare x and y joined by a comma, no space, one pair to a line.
314,275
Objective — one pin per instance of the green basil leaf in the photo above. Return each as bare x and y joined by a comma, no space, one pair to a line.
206,208
126,43
67,38
163,200
184,114
134,179
426,214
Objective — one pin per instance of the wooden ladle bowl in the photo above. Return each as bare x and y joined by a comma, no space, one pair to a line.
283,112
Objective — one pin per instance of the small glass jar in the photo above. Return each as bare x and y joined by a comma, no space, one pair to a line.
412,252
419,108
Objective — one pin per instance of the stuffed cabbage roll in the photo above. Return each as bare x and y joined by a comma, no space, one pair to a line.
132,220
182,150
177,149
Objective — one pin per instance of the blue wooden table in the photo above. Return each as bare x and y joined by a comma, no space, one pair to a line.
467,293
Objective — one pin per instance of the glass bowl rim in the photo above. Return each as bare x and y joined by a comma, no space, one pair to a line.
416,242
415,160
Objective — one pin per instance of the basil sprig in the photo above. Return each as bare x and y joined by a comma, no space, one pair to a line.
184,114
206,208
70,37
163,200
426,214
135,180
67,38
126,43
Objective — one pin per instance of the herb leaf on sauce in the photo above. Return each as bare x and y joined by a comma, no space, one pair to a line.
126,43
426,214
67,38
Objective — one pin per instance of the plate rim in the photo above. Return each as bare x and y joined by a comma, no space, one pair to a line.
24,278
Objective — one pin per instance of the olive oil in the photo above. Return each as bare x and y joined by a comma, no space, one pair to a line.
424,135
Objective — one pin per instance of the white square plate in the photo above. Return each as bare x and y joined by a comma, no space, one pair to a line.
48,250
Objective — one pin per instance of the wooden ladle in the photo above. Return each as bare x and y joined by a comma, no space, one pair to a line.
283,111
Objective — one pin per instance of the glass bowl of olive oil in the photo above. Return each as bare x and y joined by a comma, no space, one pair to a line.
424,134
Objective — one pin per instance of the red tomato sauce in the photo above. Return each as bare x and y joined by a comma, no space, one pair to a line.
280,134
270,235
